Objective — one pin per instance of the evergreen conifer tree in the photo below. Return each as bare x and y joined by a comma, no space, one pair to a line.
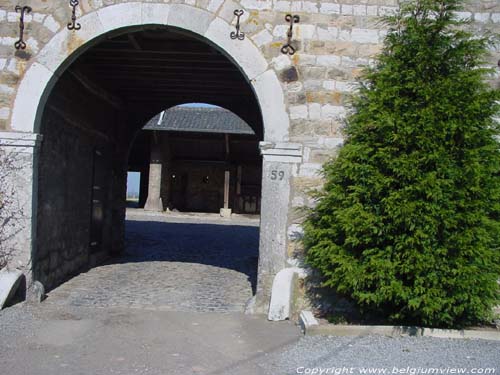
408,222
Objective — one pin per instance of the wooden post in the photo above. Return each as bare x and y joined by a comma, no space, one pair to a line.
226,211
226,189
226,136
238,180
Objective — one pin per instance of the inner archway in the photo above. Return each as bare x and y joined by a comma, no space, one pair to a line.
91,118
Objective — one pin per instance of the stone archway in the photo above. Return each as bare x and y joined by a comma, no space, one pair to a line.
279,155
66,46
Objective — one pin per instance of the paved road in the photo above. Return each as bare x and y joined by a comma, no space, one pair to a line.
188,266
87,326
74,340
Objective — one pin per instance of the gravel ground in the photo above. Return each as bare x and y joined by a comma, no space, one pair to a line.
354,355
53,340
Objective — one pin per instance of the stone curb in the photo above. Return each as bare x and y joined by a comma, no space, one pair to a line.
311,327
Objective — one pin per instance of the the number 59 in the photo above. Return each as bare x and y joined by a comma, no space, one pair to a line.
275,175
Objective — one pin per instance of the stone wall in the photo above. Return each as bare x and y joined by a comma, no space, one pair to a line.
17,155
335,40
75,126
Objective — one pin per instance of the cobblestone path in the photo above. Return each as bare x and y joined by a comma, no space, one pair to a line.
189,266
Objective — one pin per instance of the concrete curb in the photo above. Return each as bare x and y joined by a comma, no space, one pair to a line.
311,327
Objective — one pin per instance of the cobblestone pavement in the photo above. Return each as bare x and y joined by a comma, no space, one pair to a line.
188,266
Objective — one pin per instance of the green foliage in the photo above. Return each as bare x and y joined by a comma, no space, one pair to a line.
407,224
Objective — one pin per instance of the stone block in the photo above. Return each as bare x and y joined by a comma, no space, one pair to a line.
289,74
245,53
307,320
281,62
9,283
329,34
272,104
481,17
298,112
328,60
65,42
359,10
29,95
310,7
333,112
35,293
214,5
314,111
364,35
346,9
283,6
226,212
310,170
282,293
371,10
263,37
227,11
387,11
51,24
304,32
295,232
154,204
120,15
190,18
329,8
257,4
155,13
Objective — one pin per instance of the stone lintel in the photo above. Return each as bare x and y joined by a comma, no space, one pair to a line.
284,152
20,140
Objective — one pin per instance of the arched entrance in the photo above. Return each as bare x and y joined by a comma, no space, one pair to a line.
49,70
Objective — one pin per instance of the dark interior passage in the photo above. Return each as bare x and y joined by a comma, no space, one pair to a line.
202,159
94,113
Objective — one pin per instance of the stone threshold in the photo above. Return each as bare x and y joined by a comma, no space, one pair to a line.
139,212
311,327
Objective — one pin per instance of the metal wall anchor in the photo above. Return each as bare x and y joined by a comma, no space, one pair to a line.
237,34
73,25
20,44
288,48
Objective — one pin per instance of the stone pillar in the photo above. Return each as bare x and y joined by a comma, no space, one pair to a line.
166,170
143,186
279,160
154,201
18,185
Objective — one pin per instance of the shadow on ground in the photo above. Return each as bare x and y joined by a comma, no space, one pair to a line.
233,247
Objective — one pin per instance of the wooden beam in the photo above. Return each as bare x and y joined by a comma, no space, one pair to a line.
96,90
132,39
164,76
226,138
169,52
100,67
179,58
208,92
239,174
79,124
183,86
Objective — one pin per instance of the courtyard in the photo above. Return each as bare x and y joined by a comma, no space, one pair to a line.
189,263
